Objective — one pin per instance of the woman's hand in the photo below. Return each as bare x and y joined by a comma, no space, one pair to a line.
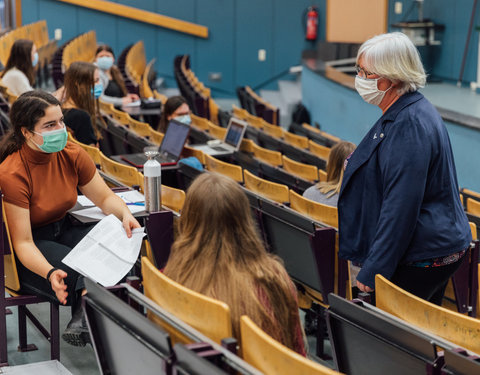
130,98
58,286
129,223
363,287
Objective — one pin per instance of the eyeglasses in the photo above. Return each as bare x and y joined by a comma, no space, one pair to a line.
362,72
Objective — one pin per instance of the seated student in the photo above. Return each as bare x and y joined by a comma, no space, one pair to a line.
115,91
326,192
82,88
219,253
40,173
19,73
175,107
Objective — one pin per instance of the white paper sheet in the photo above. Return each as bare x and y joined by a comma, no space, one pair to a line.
96,213
106,254
84,201
130,196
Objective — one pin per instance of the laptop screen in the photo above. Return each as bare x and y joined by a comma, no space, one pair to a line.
235,132
174,138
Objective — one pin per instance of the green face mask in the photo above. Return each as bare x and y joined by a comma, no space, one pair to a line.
54,140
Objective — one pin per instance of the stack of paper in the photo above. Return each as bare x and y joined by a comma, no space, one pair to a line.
106,254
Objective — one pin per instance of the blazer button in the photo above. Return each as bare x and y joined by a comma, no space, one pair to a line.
381,135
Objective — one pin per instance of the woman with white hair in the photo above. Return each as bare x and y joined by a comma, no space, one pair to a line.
399,209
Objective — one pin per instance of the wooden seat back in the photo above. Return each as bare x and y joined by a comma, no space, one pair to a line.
296,140
256,122
473,207
471,192
173,198
273,158
239,113
10,274
230,170
247,145
320,212
145,90
306,171
92,151
208,316
190,151
271,190
199,122
273,358
142,129
322,175
273,130
120,116
156,137
125,174
216,131
460,329
319,150
108,108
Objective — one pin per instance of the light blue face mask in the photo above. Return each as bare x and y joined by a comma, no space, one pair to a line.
105,62
35,59
97,90
53,140
185,119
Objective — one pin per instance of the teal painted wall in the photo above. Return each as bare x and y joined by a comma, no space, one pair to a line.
342,112
237,30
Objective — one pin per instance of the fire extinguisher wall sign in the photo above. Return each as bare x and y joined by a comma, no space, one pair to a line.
312,23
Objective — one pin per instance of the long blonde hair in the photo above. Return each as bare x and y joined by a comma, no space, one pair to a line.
219,253
335,166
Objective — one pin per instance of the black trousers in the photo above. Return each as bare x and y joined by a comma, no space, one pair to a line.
428,283
55,241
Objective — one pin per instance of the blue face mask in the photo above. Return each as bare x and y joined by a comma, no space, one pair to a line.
97,90
35,59
186,119
105,62
53,141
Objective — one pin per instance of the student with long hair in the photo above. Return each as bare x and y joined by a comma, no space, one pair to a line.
219,253
175,107
82,88
114,86
19,73
40,173
326,192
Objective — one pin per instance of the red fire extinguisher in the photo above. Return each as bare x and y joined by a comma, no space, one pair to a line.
312,23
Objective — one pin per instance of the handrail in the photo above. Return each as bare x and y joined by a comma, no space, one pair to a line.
142,16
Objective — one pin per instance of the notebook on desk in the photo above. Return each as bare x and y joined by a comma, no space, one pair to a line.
231,143
170,149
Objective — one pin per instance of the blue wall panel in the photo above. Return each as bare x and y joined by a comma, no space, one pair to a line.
342,112
238,29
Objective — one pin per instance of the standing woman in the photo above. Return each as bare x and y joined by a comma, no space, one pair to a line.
82,89
399,209
40,173
175,107
115,91
19,73
219,253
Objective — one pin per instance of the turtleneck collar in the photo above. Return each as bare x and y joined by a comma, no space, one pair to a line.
36,156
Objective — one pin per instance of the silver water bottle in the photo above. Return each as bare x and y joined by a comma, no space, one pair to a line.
152,172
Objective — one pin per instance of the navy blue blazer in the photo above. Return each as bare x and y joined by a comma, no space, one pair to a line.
399,200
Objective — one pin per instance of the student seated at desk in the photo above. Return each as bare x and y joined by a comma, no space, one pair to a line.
115,91
176,107
326,192
81,89
219,253
39,175
19,73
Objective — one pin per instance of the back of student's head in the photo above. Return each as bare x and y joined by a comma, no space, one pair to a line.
21,58
24,114
335,166
219,253
79,83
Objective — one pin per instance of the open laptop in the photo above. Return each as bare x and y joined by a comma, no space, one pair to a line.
231,143
170,149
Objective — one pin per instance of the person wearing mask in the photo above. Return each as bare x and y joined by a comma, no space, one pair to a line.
219,253
175,107
400,213
40,173
19,73
82,88
326,192
111,78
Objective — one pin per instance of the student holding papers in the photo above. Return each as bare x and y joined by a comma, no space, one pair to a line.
39,175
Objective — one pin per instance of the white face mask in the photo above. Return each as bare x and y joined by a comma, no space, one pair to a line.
368,90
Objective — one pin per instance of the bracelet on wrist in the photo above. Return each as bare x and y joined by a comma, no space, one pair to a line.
50,273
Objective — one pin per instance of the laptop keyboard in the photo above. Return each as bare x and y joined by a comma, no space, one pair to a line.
219,148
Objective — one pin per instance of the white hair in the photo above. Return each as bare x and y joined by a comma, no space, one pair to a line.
394,57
